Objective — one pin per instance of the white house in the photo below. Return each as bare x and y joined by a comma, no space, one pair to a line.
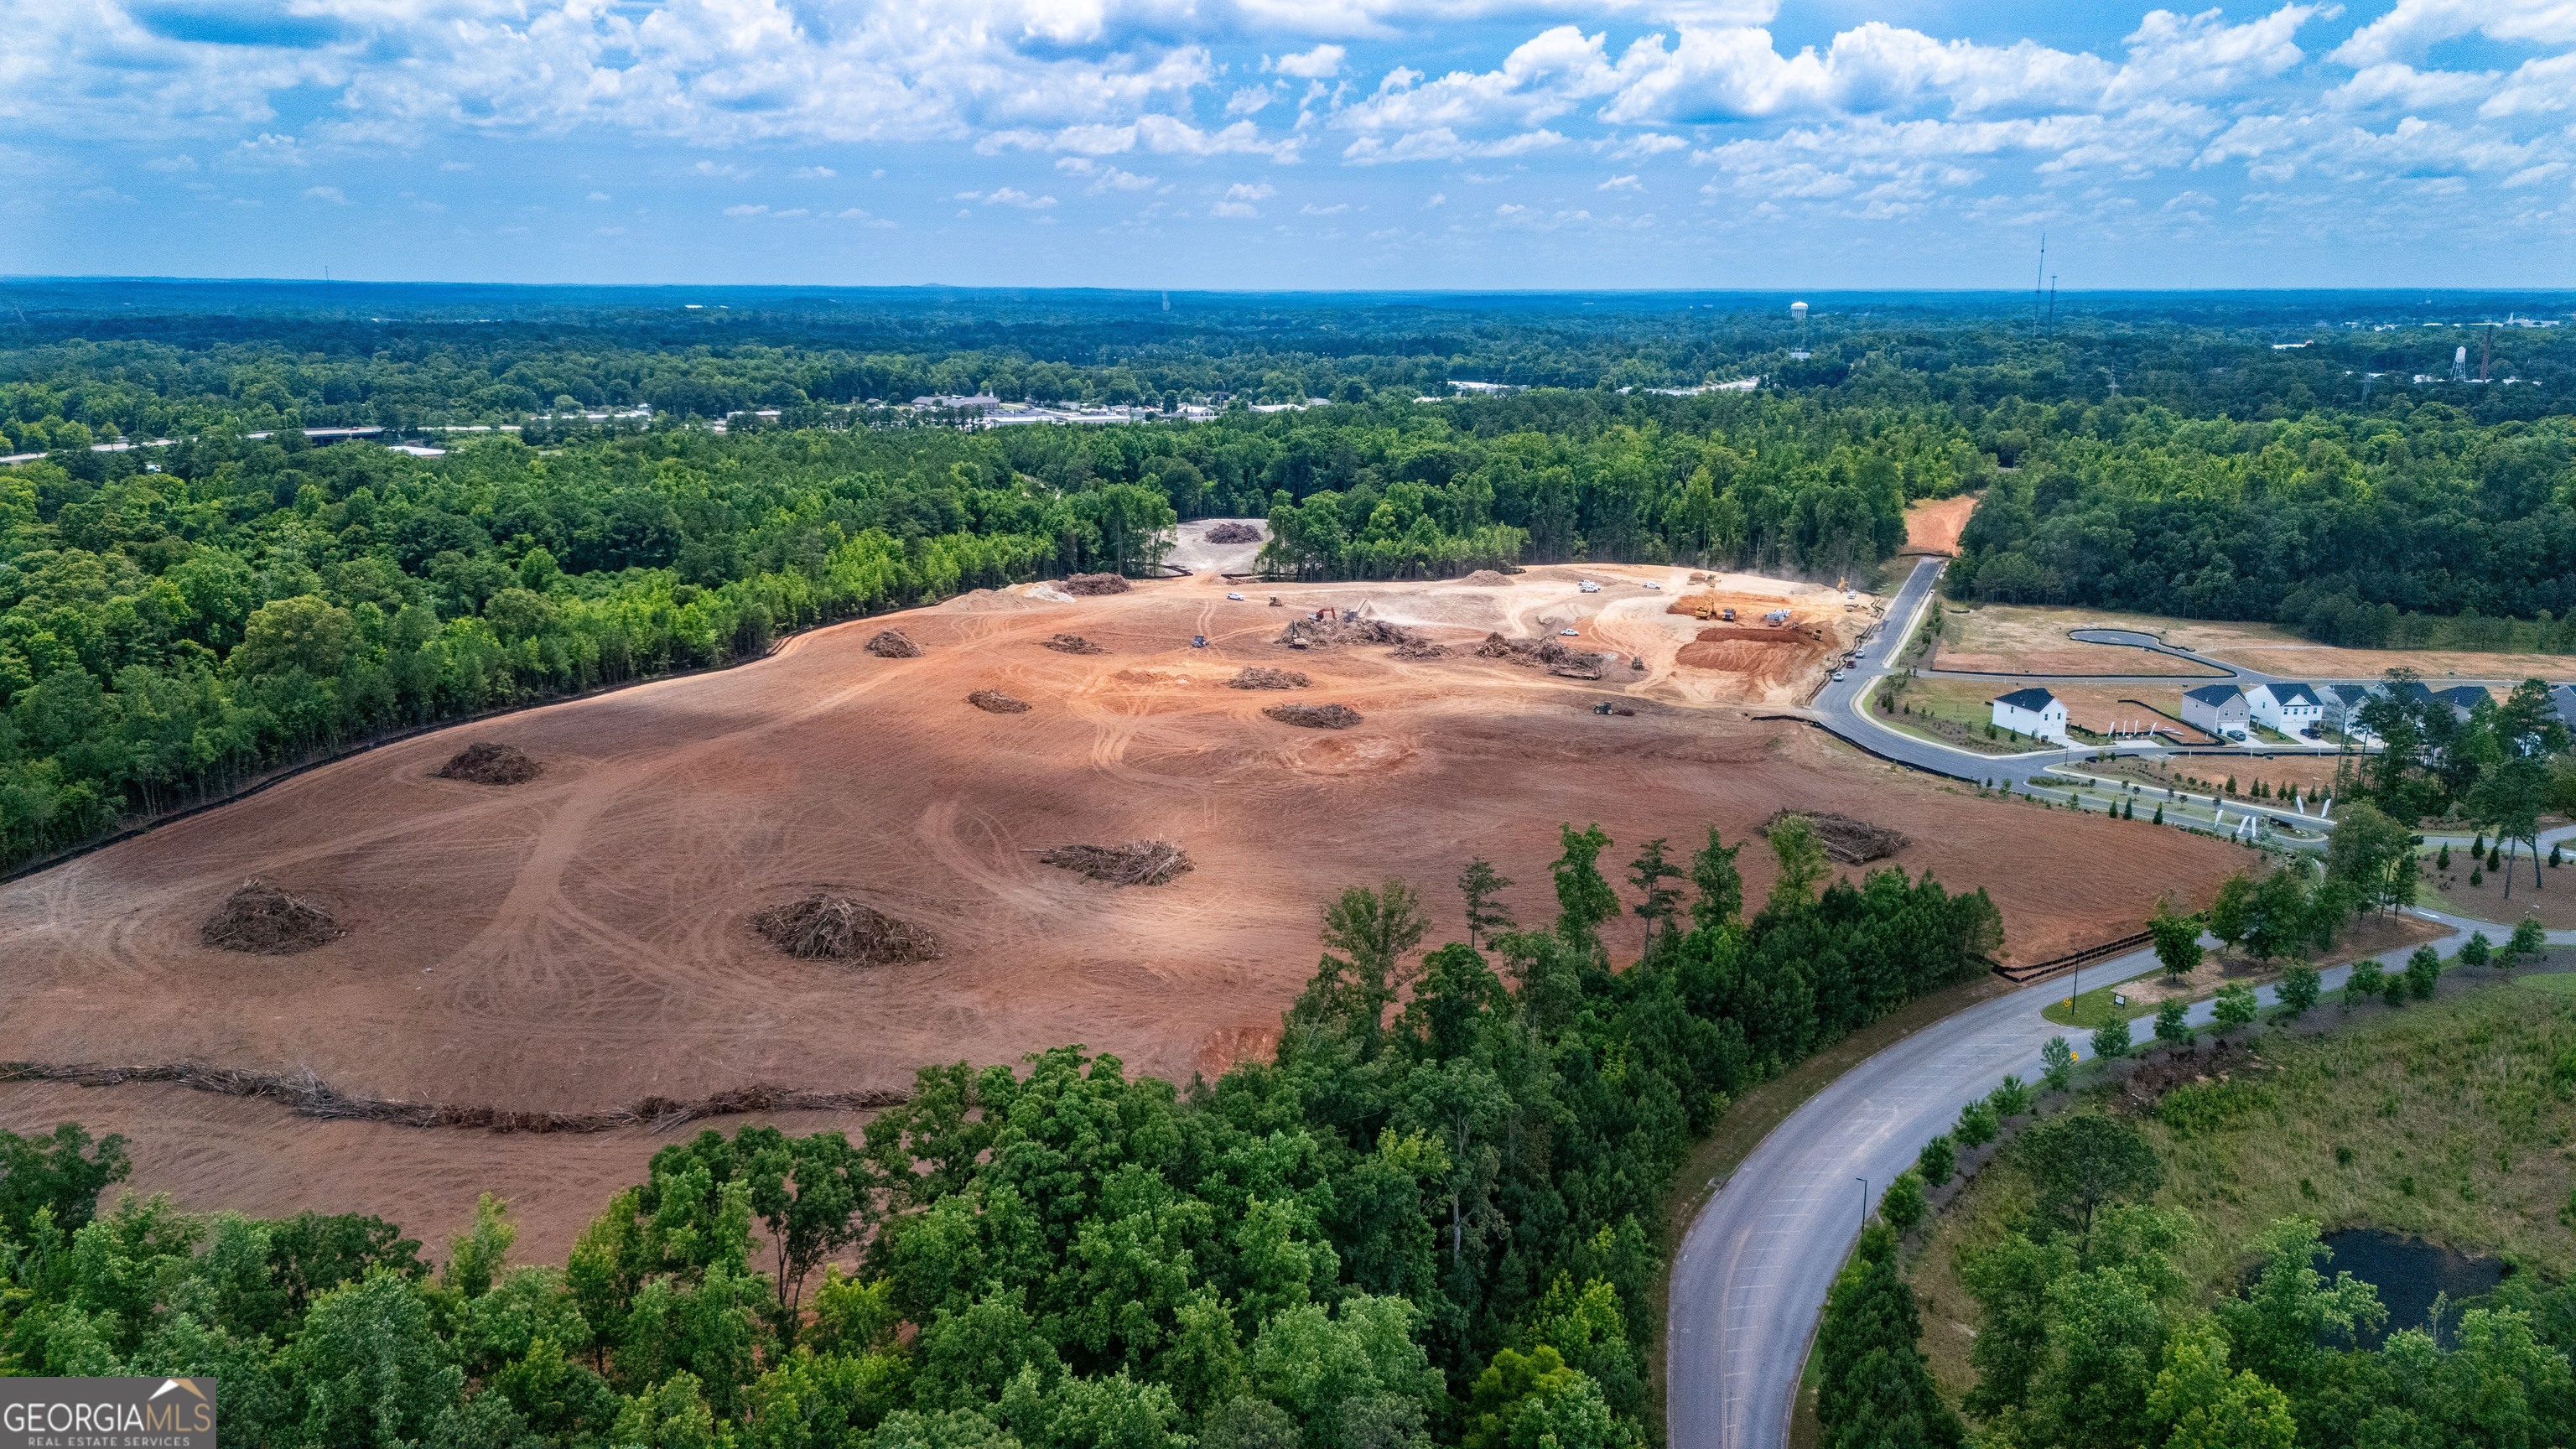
2217,709
2291,708
2034,712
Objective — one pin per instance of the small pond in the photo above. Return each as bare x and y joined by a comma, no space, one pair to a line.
2409,1273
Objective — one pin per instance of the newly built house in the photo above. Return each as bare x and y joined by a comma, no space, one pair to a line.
2293,709
2342,710
2217,710
2462,698
2033,712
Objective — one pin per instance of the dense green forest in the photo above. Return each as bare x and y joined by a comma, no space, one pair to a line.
2350,526
1435,1218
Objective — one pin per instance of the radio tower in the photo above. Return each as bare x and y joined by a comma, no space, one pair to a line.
2037,279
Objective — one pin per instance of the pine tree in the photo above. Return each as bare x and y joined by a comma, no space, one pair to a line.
1480,883
1875,1386
1649,873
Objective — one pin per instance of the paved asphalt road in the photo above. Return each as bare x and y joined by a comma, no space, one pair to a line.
1751,1277
1752,1273
1840,707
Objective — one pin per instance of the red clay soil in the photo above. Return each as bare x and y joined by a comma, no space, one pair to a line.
577,942
1934,527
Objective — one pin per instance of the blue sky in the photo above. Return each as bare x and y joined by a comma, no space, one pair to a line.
1295,143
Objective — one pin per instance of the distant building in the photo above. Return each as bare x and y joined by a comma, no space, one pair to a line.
2033,712
2217,710
2291,708
2563,699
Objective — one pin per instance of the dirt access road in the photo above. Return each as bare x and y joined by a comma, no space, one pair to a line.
582,941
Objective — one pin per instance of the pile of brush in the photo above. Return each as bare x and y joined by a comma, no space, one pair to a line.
1138,862
837,928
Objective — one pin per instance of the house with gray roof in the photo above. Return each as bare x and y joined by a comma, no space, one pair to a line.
2289,707
2034,712
2217,710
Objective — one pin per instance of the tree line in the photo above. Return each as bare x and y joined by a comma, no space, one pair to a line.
87,362
1434,1218
2355,528
175,620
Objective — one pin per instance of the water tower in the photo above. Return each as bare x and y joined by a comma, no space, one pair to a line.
1798,314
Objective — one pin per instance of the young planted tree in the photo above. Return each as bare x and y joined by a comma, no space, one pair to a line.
2423,973
2234,1007
2300,986
2057,1063
2111,1039
2177,938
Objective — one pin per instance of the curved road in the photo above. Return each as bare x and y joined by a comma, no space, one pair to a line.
1842,707
1751,1275
1750,1279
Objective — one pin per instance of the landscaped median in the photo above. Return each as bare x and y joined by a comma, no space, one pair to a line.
2145,991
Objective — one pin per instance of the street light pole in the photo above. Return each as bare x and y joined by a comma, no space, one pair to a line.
1864,1200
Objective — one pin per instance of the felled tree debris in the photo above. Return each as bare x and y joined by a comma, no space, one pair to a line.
1547,654
487,763
1315,716
1138,862
1342,627
837,928
263,920
1070,644
1419,649
1233,532
993,701
893,644
1486,578
307,1095
1260,677
1087,584
1850,841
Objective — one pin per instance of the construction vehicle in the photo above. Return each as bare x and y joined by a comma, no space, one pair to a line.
1589,587
1727,614
1777,618
1198,641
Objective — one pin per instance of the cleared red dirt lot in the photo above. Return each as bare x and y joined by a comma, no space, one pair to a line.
581,941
